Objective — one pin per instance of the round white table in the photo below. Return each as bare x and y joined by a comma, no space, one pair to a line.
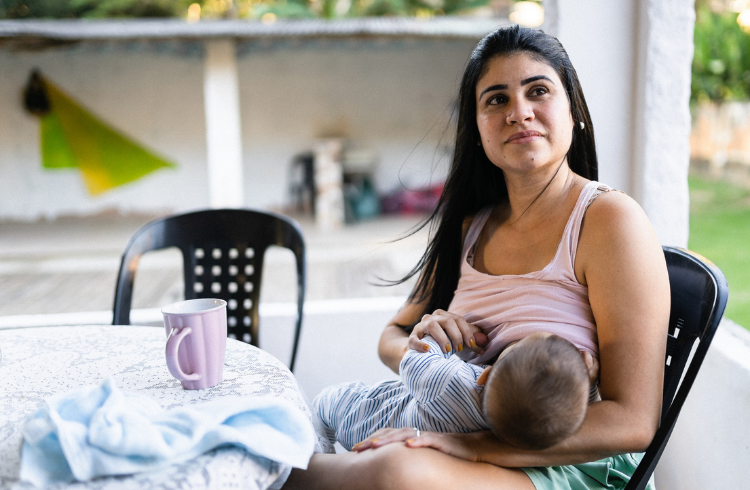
39,362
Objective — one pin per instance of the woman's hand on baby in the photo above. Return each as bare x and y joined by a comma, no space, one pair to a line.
464,446
448,329
470,446
386,436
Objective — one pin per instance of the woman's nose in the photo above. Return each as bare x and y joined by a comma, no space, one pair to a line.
519,111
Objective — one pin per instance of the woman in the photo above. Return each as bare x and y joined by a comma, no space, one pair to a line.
524,156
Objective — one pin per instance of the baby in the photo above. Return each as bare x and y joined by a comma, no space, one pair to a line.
533,396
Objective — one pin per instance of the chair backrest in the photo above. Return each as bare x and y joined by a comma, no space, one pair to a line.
699,296
223,252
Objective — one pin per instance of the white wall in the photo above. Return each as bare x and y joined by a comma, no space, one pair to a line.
710,445
335,346
387,97
391,97
155,98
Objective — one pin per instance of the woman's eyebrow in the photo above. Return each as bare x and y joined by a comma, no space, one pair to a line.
492,88
525,81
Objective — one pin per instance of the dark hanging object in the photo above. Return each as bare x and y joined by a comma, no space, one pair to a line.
35,98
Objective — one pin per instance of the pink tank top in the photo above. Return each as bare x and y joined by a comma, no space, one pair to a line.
510,307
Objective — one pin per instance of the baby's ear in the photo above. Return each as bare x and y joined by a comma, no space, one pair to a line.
482,379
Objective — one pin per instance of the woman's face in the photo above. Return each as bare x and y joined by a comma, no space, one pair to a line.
523,114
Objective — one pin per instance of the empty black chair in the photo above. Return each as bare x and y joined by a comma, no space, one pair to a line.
699,296
223,252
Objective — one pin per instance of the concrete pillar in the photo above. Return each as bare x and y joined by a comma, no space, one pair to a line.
662,116
223,135
633,59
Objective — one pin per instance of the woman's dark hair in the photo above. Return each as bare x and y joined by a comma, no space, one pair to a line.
473,181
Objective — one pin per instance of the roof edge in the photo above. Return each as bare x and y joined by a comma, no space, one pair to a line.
113,30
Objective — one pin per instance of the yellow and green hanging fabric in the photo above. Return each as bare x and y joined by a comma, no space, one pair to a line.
72,137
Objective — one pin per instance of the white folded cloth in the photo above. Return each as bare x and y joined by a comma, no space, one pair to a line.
99,430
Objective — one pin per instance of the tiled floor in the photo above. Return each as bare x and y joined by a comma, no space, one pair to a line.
70,264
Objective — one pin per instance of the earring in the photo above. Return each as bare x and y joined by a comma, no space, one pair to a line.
581,124
479,143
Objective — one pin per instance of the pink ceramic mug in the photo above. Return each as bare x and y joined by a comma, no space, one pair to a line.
197,339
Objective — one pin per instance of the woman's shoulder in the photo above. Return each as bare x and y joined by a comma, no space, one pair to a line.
614,210
615,225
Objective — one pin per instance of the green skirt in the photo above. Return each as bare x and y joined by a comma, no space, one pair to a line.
607,474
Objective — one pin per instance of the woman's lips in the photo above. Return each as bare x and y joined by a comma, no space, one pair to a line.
524,137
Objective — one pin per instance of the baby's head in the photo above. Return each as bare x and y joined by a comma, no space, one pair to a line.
537,392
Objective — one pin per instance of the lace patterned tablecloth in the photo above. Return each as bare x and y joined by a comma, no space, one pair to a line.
39,362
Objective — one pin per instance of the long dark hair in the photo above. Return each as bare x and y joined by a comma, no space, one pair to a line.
473,181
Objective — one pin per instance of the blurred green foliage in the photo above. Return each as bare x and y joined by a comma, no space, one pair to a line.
721,63
69,9
61,9
331,9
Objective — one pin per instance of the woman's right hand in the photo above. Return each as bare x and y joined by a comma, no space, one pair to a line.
463,446
466,446
448,329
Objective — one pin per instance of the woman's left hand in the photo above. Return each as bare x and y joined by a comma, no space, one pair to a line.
463,446
466,446
386,436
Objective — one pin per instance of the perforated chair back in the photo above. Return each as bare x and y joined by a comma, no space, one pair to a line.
699,297
223,252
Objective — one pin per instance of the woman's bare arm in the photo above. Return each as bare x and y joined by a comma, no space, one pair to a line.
626,274
394,341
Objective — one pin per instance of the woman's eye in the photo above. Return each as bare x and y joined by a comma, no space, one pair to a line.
497,99
537,91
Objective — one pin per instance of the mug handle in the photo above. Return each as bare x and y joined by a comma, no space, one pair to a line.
173,345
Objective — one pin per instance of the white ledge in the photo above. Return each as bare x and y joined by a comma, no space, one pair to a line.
104,30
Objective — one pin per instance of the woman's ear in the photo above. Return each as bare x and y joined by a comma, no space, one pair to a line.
482,379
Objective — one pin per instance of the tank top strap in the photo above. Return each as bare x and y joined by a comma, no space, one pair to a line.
565,261
475,228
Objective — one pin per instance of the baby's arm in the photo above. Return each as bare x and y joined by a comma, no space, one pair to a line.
425,374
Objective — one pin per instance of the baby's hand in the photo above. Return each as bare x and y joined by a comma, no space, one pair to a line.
592,366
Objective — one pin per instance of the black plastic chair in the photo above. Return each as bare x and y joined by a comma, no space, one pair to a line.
223,252
699,296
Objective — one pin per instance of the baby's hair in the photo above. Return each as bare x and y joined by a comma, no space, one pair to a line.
537,394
